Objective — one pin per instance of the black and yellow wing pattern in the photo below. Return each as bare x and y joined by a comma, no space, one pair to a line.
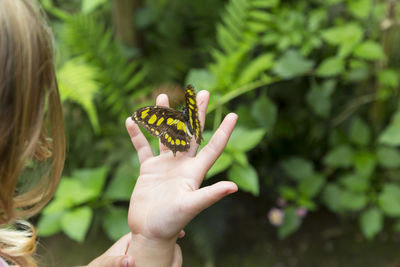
174,128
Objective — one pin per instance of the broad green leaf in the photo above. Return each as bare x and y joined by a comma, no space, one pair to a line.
355,182
298,168
340,156
256,67
265,112
240,157
291,223
364,163
330,67
360,134
245,177
49,224
388,157
72,191
311,185
360,8
115,222
388,78
337,34
287,192
246,118
92,179
391,134
316,19
332,197
384,94
346,36
389,200
75,223
78,82
371,222
292,64
201,79
243,139
222,163
89,6
306,202
357,72
319,98
122,183
369,50
58,205
353,201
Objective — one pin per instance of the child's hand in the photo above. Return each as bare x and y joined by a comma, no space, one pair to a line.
167,195
115,256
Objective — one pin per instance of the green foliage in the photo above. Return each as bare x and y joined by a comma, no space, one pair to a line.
78,82
298,168
77,196
315,85
69,211
319,98
292,64
371,222
340,156
241,172
290,224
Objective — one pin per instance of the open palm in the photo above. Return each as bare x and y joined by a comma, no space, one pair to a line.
167,195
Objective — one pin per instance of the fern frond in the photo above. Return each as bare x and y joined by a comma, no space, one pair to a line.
237,37
87,37
78,82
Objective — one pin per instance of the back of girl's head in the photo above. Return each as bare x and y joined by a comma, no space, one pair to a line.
31,127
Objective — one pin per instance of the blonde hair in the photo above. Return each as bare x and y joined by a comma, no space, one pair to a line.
31,125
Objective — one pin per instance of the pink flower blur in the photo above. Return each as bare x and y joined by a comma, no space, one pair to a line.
276,216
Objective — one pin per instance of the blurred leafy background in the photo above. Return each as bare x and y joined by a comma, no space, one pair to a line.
315,152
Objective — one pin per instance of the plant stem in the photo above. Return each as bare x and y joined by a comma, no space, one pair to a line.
240,91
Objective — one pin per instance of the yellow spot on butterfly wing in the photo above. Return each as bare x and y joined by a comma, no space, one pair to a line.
178,142
160,121
172,142
145,113
191,100
170,121
183,143
180,125
152,119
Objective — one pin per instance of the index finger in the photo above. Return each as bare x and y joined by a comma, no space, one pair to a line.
139,141
210,153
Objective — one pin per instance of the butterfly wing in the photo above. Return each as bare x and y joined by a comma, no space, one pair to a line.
165,123
192,112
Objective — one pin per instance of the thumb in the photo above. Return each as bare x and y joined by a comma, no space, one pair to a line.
113,261
208,195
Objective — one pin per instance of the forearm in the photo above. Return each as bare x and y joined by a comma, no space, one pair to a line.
154,253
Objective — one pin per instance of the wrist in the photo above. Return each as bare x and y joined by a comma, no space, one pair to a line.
151,252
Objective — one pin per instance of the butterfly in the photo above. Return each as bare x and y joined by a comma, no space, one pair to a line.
174,128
